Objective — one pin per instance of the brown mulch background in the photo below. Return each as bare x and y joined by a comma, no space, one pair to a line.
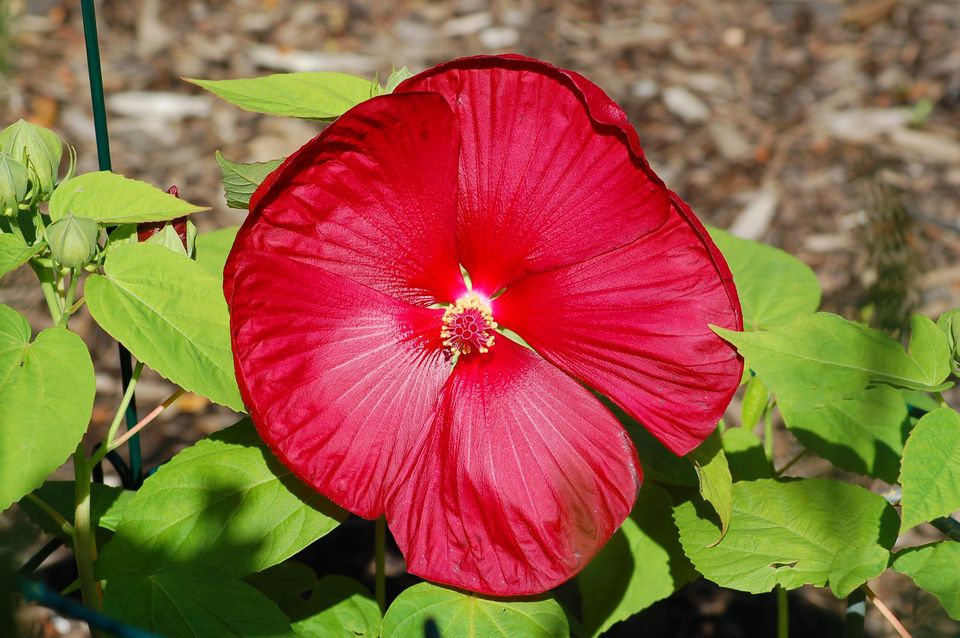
828,128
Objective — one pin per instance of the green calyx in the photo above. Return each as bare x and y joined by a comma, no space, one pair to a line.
73,240
14,183
37,148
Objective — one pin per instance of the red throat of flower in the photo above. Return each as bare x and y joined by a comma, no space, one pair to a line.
468,325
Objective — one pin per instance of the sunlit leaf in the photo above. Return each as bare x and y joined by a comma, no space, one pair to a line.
14,252
241,180
46,398
930,470
934,569
214,247
113,199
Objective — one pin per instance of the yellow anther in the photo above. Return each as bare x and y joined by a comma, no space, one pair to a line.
468,325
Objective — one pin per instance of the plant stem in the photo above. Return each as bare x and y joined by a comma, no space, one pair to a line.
118,417
939,398
379,558
54,515
49,291
886,613
84,542
783,613
68,300
42,554
144,421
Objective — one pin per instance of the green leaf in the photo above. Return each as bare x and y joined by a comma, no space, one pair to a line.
14,252
459,613
396,77
170,313
113,199
47,390
930,470
821,357
213,248
713,474
792,534
755,400
310,95
863,433
745,455
641,564
934,569
949,325
106,504
241,180
774,287
193,601
226,502
339,607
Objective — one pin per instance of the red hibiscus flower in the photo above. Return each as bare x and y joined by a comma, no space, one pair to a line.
383,379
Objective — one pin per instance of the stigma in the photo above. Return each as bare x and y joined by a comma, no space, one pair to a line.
468,325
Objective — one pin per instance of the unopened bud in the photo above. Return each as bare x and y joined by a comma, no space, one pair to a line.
37,148
14,182
73,240
149,231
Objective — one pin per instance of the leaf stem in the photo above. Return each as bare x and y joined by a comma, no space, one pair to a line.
939,399
799,455
885,612
379,558
783,613
54,515
84,542
144,421
768,435
118,417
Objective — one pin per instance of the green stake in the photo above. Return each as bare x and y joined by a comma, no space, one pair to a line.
103,157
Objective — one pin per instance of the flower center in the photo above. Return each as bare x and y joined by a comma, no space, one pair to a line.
468,325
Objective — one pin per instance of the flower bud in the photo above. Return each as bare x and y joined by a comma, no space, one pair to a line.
73,240
14,182
37,148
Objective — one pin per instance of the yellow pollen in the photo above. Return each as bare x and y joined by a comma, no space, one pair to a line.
468,325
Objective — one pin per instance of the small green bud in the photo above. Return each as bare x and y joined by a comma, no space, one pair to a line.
949,324
73,240
37,148
14,182
396,77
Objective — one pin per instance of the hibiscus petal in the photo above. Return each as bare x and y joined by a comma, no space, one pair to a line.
548,177
632,324
524,476
372,198
340,380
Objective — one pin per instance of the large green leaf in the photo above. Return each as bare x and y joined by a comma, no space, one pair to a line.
311,95
713,475
226,502
805,532
774,287
14,252
106,504
821,357
113,199
169,311
934,568
46,398
863,433
286,584
930,471
213,248
641,564
194,601
241,180
339,607
458,613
